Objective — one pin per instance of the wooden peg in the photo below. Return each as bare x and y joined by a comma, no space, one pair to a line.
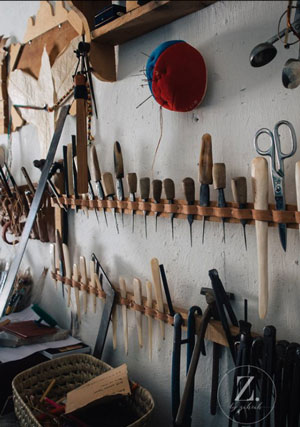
124,313
68,273
93,283
137,290
149,305
75,278
84,281
158,292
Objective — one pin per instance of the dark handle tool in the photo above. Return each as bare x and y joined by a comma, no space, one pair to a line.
156,191
219,180
145,193
239,192
189,192
205,174
169,189
132,186
119,172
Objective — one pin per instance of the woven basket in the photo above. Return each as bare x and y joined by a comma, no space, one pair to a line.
70,372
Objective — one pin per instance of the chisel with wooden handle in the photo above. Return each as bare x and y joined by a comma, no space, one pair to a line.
189,192
96,176
70,169
124,313
259,174
297,174
239,192
68,272
80,95
169,189
109,190
158,292
156,191
93,284
149,305
205,174
119,173
83,281
75,278
52,259
137,291
219,180
132,187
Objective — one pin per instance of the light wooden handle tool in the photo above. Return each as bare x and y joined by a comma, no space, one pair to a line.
124,313
137,291
219,175
158,292
239,190
149,305
84,281
206,161
108,184
70,169
68,272
98,283
53,262
259,173
75,278
297,173
114,319
93,284
94,165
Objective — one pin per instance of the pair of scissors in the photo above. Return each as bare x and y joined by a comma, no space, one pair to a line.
277,166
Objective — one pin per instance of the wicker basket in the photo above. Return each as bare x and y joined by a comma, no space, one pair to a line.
70,372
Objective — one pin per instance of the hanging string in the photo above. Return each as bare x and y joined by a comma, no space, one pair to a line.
160,137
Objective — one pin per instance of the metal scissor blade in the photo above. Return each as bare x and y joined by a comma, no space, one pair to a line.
280,206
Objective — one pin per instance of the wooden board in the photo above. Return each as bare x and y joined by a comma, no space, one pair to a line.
144,19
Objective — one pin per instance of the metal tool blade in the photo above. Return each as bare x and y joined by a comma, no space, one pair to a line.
33,210
101,197
280,205
204,201
106,314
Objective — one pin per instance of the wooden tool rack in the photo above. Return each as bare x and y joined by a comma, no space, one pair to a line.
232,213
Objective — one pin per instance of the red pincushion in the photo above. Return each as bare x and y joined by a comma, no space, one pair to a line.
179,78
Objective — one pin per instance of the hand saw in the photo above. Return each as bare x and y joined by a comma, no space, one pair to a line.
33,210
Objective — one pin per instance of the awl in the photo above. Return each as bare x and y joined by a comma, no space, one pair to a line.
96,175
119,172
132,186
145,192
205,174
219,179
239,192
156,190
189,192
109,190
169,189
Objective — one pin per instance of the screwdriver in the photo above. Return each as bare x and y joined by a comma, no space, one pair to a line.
96,176
156,190
169,189
205,174
239,192
132,185
189,192
219,179
145,192
119,172
109,190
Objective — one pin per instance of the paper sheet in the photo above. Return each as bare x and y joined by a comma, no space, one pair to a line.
112,382
9,354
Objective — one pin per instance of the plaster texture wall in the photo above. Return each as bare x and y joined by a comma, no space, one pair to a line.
239,101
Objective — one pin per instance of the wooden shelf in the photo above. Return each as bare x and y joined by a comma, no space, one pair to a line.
145,19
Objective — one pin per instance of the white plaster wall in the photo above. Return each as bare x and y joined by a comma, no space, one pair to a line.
239,101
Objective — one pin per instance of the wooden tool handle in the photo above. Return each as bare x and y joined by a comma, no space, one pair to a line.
137,291
118,161
67,270
70,169
219,175
189,189
98,283
158,291
259,173
149,303
75,278
59,246
297,173
145,187
124,313
239,189
81,149
94,165
108,184
169,188
83,280
132,182
206,160
93,283
156,189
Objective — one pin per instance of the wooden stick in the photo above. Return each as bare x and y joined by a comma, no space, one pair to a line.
124,313
93,284
48,389
53,262
81,137
75,278
114,319
149,304
68,270
259,173
137,290
158,292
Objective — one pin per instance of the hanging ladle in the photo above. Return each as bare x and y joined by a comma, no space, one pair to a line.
291,72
